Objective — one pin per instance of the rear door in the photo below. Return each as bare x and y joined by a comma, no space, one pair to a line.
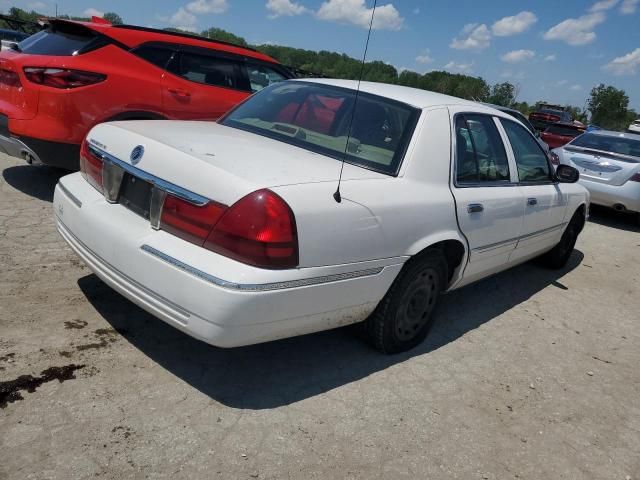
203,84
489,204
544,202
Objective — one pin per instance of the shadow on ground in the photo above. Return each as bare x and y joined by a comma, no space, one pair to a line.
36,181
608,217
280,373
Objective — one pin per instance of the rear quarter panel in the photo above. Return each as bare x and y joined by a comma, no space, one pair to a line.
390,217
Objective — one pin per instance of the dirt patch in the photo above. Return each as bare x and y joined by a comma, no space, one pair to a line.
10,390
75,324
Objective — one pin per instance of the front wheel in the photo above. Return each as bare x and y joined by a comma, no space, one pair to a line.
559,255
404,317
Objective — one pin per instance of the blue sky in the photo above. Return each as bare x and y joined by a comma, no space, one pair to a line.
555,51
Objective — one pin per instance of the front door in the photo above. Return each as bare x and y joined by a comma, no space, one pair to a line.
488,201
544,203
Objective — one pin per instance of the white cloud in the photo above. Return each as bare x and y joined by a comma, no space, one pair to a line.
551,58
576,31
625,65
93,12
284,8
425,57
416,10
356,12
603,5
562,82
575,87
207,6
629,7
459,67
474,37
183,19
516,56
519,23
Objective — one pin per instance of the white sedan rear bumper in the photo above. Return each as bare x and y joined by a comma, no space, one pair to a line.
208,296
627,195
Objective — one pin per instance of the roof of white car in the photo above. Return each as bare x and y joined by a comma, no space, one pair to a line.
412,96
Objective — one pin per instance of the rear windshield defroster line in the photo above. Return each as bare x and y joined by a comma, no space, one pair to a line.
316,117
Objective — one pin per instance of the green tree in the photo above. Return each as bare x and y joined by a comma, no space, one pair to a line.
113,17
224,36
503,94
609,107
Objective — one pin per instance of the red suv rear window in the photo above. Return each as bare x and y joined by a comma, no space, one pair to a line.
61,39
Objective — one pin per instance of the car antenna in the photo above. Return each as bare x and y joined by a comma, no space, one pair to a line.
336,195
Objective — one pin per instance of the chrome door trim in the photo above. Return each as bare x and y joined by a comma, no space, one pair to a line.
516,240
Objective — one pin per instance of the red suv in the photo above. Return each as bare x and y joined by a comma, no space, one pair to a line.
58,83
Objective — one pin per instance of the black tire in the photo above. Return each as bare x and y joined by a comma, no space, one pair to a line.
558,256
404,316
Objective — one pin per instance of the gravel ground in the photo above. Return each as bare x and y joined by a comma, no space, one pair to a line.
532,374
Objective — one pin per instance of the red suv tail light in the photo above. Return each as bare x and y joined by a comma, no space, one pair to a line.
91,166
62,78
9,78
259,229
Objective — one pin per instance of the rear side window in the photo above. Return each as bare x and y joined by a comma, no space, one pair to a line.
209,70
531,160
480,153
261,76
61,40
157,55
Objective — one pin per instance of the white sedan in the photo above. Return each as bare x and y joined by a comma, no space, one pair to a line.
609,166
233,231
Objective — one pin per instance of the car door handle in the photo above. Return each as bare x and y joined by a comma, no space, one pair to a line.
532,201
475,208
179,92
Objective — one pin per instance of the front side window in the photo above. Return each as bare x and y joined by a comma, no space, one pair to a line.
480,154
531,160
319,118
209,70
261,76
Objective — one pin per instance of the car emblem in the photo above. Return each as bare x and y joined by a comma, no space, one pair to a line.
136,155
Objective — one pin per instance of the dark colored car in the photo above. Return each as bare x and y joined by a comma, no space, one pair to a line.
11,37
57,84
559,134
544,117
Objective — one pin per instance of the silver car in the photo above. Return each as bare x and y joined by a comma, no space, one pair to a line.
609,165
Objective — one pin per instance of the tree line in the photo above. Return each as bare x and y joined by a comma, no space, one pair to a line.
607,106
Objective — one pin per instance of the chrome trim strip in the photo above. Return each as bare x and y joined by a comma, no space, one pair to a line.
493,246
169,187
260,287
71,196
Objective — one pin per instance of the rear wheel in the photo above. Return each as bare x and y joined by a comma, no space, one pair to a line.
404,317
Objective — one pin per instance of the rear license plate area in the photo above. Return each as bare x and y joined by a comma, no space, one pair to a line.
135,194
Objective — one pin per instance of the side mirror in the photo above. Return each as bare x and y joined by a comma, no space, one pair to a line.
566,174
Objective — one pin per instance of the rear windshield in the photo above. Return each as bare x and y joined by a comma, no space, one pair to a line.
564,130
609,143
59,40
317,118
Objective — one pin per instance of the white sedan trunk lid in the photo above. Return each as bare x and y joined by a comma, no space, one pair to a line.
241,162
